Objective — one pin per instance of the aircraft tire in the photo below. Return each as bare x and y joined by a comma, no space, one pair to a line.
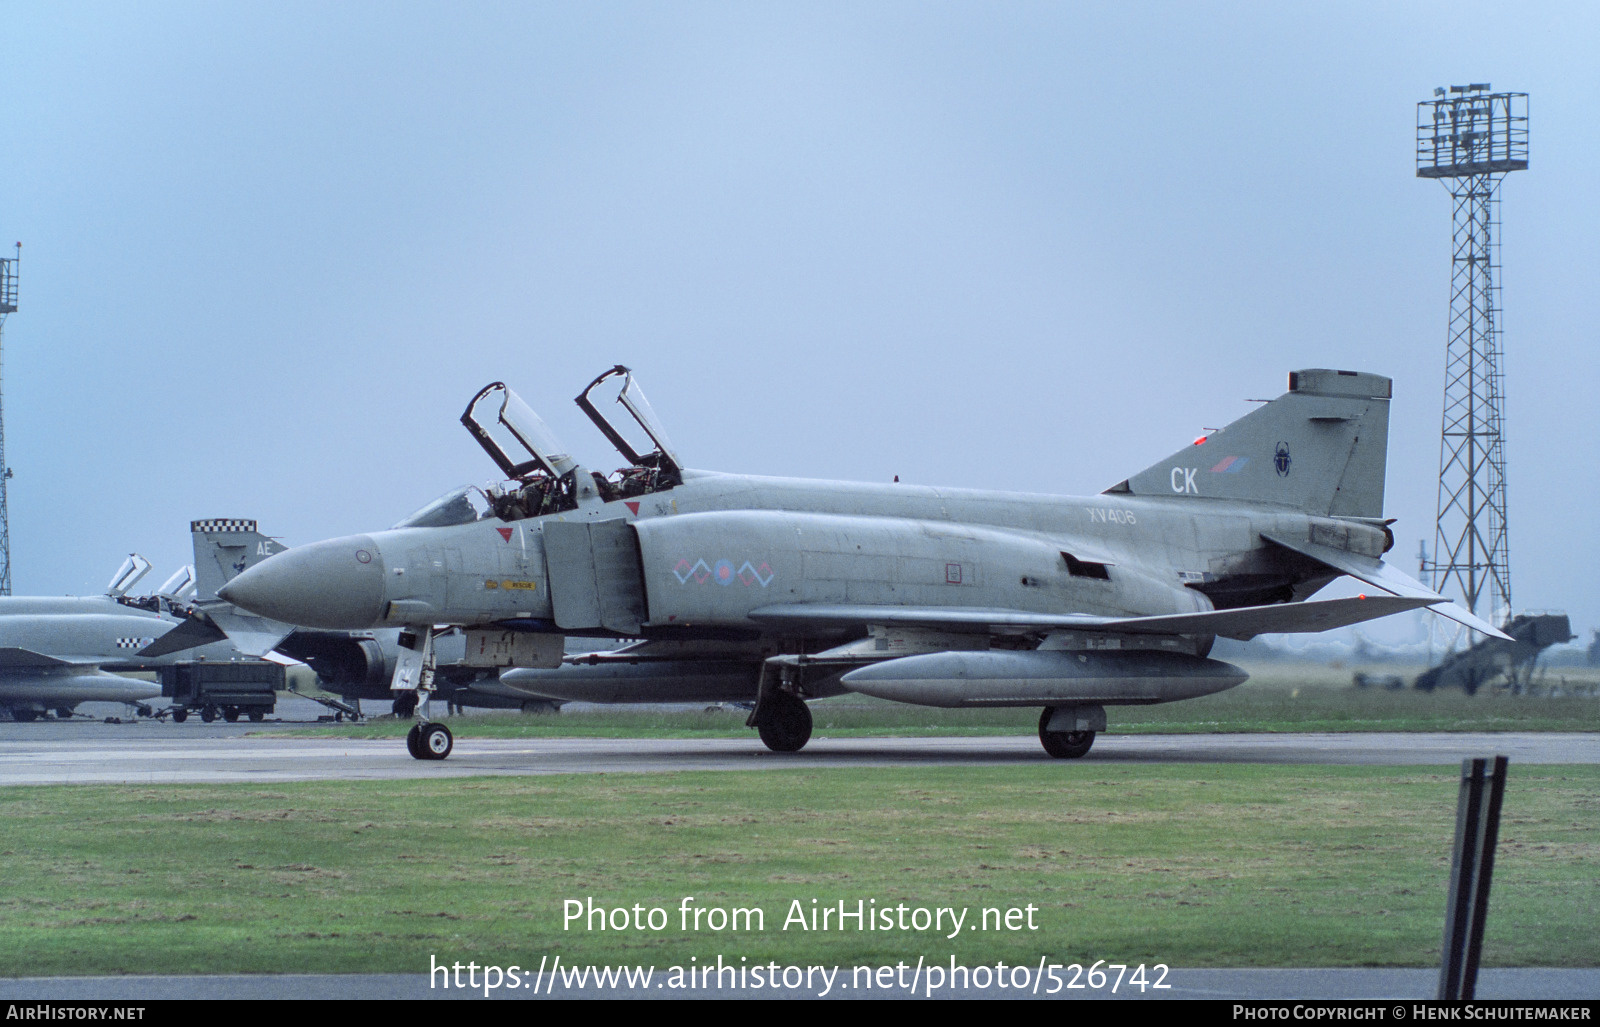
435,741
1063,745
257,716
179,716
208,714
65,713
412,737
22,716
785,724
230,715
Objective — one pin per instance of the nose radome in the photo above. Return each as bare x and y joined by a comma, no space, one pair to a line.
332,584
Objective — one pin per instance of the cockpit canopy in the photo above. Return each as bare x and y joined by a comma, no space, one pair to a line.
128,575
526,451
516,427
543,476
458,506
654,465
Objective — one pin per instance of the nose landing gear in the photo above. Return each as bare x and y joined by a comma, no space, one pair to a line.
431,741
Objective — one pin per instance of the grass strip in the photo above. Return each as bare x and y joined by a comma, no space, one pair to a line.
1184,865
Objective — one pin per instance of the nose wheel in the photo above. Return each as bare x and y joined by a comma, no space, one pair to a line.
431,741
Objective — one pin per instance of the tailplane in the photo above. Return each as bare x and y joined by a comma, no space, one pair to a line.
1320,448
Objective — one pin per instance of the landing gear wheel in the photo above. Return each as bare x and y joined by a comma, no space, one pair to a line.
230,714
411,742
785,724
208,714
434,742
257,716
23,715
179,716
1063,745
64,713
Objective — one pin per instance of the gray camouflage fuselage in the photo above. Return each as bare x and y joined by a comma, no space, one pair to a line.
56,652
719,546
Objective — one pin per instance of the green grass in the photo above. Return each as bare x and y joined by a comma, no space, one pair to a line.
1184,865
1278,697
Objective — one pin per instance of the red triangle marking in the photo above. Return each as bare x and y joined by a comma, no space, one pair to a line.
505,533
634,506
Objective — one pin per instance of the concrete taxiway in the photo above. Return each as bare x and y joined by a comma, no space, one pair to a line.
178,758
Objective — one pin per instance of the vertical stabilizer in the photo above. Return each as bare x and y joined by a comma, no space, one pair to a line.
223,548
1320,448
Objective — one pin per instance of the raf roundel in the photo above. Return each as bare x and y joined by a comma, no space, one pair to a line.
723,572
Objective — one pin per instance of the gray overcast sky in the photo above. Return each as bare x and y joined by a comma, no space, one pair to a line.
272,249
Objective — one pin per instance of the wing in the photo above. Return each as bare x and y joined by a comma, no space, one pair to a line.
1243,622
12,657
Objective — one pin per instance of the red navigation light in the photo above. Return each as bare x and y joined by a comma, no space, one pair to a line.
1199,440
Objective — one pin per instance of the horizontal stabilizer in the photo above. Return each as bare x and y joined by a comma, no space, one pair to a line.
1380,575
194,631
1243,622
251,635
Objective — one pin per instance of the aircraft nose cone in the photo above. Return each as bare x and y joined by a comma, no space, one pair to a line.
332,584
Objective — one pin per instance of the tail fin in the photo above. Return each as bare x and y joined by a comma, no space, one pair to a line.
225,547
1320,448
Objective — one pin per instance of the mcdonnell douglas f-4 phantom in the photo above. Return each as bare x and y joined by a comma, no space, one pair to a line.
778,590
59,651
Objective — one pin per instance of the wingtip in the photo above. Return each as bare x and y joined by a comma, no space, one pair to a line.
1466,617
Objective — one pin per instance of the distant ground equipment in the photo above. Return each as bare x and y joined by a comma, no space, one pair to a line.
1512,664
242,688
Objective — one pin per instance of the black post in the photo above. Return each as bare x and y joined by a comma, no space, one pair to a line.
1490,836
1471,871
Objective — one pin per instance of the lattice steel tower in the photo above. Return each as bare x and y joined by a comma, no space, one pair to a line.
1469,138
8,305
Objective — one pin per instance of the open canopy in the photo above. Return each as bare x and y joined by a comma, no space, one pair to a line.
513,431
654,450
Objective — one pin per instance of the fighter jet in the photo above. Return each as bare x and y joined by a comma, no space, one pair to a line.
355,665
775,590
57,652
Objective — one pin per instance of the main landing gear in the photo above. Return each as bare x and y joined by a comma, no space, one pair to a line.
430,741
1063,745
784,721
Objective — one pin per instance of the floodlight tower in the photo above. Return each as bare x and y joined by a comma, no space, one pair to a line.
8,305
1469,138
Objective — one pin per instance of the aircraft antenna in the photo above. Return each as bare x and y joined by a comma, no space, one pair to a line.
8,305
1469,139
